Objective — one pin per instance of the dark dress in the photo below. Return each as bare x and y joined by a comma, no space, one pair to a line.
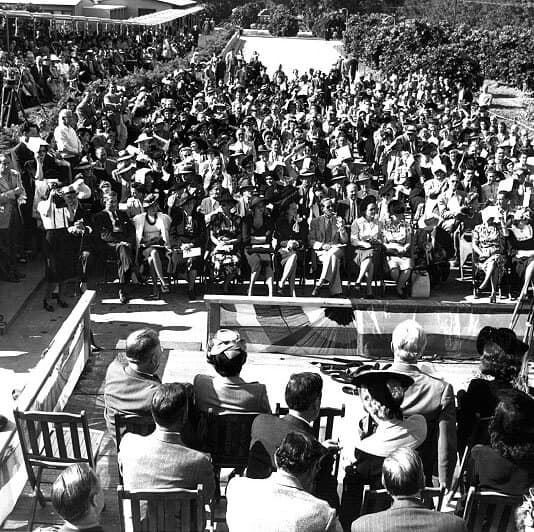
188,230
263,251
225,263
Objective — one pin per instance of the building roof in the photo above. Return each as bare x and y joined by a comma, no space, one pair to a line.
44,3
179,3
106,7
167,15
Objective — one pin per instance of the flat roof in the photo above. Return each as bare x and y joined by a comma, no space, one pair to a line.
46,3
167,15
107,7
179,3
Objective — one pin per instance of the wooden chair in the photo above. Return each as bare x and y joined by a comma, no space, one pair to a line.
131,423
478,435
164,510
51,441
327,415
378,500
228,441
490,511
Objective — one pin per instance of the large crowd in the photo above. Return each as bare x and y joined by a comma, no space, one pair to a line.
223,173
410,429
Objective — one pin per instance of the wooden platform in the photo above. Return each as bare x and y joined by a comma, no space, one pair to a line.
272,369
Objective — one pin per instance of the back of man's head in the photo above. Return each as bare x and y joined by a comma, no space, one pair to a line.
408,341
169,404
74,492
298,453
402,473
140,345
302,390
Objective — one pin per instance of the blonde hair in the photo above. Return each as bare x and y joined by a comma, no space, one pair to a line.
408,341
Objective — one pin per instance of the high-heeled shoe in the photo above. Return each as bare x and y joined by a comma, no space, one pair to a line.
493,298
47,306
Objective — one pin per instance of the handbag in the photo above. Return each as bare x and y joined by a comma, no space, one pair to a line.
420,284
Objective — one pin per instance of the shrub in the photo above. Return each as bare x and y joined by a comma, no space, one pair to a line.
328,21
282,23
246,15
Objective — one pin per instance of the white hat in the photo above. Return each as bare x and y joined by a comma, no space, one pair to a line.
81,190
490,212
34,143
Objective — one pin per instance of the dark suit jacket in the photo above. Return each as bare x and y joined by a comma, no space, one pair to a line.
409,515
104,228
21,155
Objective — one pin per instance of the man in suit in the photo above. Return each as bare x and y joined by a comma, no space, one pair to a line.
429,396
161,460
303,397
328,236
283,501
116,234
131,379
348,208
404,480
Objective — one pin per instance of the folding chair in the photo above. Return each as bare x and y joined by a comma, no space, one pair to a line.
378,500
490,511
228,441
51,441
164,510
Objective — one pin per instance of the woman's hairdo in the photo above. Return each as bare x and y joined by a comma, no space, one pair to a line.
298,452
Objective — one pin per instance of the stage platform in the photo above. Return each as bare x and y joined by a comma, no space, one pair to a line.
355,326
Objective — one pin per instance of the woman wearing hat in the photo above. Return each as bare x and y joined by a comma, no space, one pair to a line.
152,238
228,391
501,358
521,240
291,234
225,238
366,237
257,230
488,244
381,431
187,233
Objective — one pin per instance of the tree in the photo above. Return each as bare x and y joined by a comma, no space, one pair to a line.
245,15
283,23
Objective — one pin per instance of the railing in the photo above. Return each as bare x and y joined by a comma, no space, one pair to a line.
49,387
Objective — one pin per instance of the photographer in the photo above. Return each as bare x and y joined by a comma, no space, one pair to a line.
66,240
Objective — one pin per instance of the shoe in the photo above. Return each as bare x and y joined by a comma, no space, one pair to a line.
47,306
282,292
122,297
83,287
315,291
22,260
62,304
165,288
493,298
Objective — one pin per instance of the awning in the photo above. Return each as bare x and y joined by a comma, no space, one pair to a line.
165,16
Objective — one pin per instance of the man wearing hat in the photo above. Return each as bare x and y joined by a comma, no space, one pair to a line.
116,235
246,188
407,141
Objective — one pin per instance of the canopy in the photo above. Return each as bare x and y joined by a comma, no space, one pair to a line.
167,15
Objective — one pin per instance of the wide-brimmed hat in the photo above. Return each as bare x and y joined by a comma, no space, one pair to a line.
150,199
369,376
35,143
84,164
256,200
79,188
186,168
245,184
227,342
504,338
143,137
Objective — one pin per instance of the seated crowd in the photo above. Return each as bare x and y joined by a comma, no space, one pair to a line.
407,439
223,173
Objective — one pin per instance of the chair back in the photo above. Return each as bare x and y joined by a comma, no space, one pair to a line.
378,500
53,440
325,420
228,438
490,511
132,423
163,510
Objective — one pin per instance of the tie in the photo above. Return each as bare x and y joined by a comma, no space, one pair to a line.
328,230
352,214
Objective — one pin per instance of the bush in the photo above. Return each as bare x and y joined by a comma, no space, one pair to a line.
282,23
246,15
328,21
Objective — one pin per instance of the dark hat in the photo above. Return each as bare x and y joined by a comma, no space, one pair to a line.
247,159
150,199
245,184
338,172
226,197
387,188
368,376
306,173
504,338
263,149
256,200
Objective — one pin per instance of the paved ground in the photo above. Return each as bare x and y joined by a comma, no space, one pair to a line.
292,53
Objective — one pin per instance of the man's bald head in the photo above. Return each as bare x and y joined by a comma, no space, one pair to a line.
142,346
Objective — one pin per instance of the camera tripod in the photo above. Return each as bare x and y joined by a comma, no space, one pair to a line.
522,379
10,103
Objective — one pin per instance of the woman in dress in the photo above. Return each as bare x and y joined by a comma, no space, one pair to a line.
257,230
152,239
488,244
291,234
521,239
397,239
225,237
366,237
187,232
381,431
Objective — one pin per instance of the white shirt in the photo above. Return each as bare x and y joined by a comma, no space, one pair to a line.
67,139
